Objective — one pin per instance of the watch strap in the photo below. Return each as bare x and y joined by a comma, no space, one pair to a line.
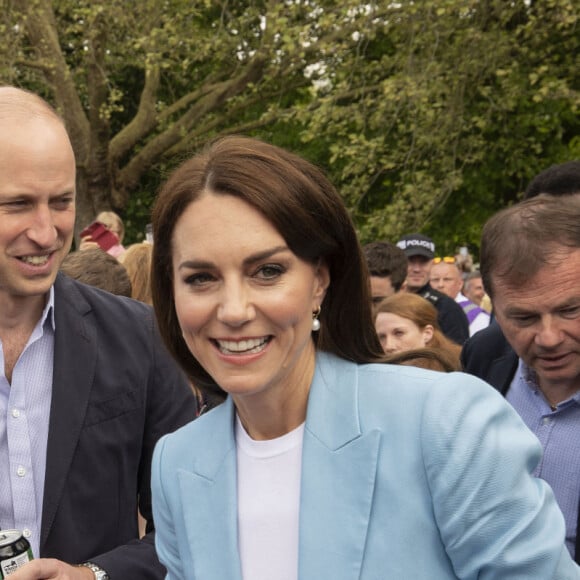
99,573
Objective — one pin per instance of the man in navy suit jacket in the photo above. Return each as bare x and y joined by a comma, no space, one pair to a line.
489,356
529,259
86,387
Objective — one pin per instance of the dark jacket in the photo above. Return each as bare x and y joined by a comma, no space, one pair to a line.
115,392
450,315
489,356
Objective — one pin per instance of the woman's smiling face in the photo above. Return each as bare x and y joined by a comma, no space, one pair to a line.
244,300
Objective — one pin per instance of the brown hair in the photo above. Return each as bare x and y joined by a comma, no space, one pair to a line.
305,209
97,268
422,313
520,240
435,359
137,261
386,260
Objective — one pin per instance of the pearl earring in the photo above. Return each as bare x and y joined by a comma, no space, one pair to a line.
315,321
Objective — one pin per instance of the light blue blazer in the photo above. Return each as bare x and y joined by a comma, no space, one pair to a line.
407,475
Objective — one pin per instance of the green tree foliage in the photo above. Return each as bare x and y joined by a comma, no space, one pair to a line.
447,110
141,84
428,115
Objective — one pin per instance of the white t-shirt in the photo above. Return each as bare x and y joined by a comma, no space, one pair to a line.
268,504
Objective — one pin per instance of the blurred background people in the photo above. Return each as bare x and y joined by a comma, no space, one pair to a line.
463,261
420,252
558,179
387,265
473,288
446,277
114,224
137,262
406,321
95,267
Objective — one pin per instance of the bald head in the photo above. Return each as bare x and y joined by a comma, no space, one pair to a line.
24,117
21,104
37,195
446,278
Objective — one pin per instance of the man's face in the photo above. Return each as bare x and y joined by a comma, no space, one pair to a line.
446,278
541,321
381,287
37,210
474,290
418,272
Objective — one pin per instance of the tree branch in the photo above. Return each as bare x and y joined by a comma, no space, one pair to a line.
128,176
143,122
41,28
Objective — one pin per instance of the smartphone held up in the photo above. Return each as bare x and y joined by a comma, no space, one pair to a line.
100,234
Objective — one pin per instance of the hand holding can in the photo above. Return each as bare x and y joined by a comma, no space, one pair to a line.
15,552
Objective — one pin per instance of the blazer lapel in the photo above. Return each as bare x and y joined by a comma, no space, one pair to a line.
338,476
75,355
208,494
502,371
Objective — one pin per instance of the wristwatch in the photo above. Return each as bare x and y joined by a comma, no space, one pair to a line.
99,573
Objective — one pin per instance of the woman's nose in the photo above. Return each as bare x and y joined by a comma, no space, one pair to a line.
388,346
235,308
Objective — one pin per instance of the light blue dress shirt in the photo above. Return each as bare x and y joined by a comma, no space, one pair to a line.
24,418
559,434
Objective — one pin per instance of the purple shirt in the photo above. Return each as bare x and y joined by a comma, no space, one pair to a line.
24,417
559,434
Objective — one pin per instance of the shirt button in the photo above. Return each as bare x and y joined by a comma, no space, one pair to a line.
26,533
546,421
15,413
21,471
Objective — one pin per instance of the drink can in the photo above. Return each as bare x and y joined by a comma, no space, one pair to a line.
15,551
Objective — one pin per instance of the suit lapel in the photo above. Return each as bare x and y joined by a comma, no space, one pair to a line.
208,494
502,371
338,476
75,354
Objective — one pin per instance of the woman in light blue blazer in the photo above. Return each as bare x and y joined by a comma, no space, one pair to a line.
322,463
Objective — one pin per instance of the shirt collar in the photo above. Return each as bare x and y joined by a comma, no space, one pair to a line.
48,312
529,375
530,379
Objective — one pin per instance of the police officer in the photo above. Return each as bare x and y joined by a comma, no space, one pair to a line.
420,252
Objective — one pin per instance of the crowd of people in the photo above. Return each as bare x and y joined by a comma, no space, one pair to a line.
337,438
